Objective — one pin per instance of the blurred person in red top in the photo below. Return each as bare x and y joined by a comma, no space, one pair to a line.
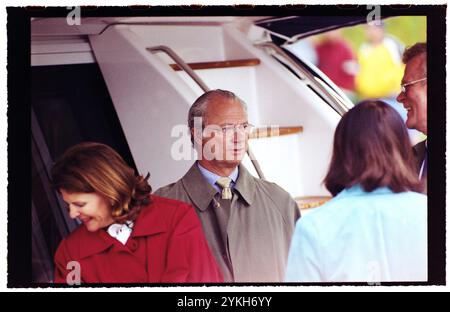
337,60
127,235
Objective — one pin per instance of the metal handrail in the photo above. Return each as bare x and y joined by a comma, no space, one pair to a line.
179,61
337,103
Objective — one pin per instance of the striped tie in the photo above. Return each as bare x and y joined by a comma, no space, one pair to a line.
224,183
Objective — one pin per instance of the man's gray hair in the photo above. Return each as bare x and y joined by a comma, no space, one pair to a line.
198,109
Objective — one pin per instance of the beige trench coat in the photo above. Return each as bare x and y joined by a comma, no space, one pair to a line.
260,225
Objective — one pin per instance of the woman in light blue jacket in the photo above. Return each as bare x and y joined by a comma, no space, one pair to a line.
375,227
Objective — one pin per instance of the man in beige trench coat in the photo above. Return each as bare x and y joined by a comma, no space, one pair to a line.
248,222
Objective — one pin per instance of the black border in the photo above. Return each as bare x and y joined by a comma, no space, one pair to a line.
19,149
19,154
279,301
436,38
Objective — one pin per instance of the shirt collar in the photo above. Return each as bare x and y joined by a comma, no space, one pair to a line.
357,190
121,232
212,178
201,192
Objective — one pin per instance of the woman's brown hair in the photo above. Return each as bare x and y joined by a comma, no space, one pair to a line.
93,167
372,148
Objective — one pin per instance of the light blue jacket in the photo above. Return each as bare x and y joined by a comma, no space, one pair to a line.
362,237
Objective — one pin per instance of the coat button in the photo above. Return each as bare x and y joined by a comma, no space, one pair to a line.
133,245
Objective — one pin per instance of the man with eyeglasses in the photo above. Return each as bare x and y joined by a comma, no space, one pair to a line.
413,96
248,222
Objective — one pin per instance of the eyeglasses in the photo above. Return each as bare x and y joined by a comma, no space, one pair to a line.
404,85
247,128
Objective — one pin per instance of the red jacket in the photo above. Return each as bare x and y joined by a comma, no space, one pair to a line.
167,245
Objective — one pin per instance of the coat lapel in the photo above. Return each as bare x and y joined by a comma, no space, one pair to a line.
197,188
419,152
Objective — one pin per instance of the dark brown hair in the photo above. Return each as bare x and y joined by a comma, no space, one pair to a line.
372,148
96,168
417,49
413,51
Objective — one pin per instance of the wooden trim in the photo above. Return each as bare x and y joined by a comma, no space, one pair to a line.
219,64
266,132
308,202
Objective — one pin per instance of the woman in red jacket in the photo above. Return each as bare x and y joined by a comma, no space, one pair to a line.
127,235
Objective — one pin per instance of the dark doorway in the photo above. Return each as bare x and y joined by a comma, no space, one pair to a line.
70,104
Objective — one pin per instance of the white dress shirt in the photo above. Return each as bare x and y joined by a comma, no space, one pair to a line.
121,232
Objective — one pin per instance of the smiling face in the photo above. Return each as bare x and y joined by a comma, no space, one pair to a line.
92,209
222,152
415,98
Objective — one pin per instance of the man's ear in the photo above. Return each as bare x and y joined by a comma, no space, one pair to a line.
197,135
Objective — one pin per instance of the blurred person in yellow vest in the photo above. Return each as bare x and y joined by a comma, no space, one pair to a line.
380,65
